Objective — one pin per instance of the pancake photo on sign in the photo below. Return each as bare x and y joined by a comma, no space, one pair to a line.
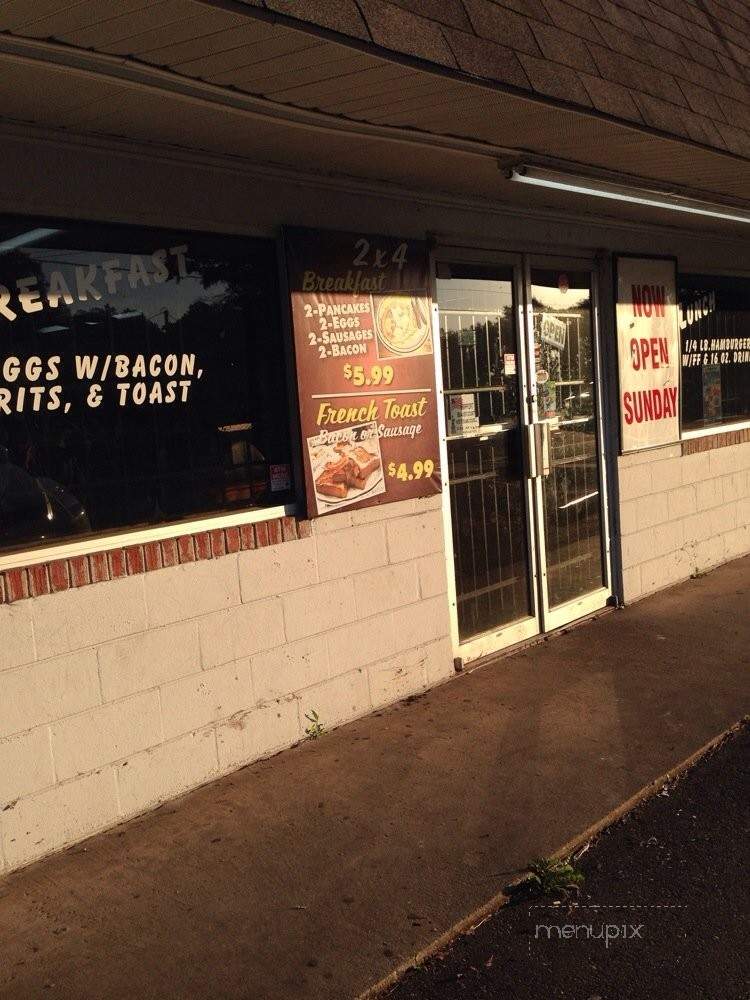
402,323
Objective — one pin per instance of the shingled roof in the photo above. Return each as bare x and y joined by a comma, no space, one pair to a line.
681,67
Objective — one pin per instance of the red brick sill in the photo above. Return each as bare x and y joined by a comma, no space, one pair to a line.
691,446
80,571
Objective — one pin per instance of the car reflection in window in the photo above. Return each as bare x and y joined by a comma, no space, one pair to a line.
34,508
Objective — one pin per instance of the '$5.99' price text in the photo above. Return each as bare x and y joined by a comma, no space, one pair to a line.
418,470
377,374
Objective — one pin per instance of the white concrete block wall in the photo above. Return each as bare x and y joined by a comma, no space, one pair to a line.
681,515
120,695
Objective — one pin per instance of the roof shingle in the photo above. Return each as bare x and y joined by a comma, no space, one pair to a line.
679,66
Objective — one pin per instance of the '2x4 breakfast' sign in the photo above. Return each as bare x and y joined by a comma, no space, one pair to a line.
365,369
648,348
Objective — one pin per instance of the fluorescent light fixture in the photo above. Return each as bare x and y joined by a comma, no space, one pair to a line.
22,240
580,184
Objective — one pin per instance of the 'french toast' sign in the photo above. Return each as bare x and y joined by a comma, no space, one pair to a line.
648,347
365,368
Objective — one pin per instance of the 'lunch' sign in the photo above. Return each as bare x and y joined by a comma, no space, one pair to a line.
648,347
365,368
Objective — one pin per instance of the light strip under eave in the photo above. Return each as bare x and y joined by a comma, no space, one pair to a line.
559,181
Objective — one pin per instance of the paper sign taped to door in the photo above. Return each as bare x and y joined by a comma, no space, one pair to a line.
462,412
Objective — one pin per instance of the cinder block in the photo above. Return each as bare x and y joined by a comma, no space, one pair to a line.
439,661
354,550
386,588
17,646
682,501
332,522
319,609
629,522
105,734
251,735
723,461
419,624
361,643
737,542
652,510
89,616
25,765
336,700
149,659
652,456
241,631
42,692
638,548
696,467
293,667
162,772
709,553
412,537
59,816
734,486
665,571
668,537
631,582
709,493
433,575
723,518
432,502
635,482
697,527
667,475
384,512
193,702
397,678
743,511
190,590
277,569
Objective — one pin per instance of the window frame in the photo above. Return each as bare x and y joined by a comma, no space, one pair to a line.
715,429
21,557
94,544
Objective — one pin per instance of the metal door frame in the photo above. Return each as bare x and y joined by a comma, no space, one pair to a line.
530,626
542,619
578,607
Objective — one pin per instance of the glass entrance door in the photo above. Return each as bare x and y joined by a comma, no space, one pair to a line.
482,357
565,416
518,346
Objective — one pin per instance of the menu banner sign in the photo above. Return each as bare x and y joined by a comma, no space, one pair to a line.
362,327
648,348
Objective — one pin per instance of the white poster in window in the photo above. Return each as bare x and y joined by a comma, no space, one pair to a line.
648,348
462,411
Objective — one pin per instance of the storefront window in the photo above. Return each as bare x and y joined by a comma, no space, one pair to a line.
141,379
715,330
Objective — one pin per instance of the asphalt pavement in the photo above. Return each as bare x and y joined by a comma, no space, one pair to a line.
664,910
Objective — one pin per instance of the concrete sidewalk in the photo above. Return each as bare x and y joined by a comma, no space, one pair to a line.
315,873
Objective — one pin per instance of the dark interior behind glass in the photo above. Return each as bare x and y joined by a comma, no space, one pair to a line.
179,337
715,330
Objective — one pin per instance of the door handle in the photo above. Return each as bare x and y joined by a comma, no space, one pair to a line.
539,449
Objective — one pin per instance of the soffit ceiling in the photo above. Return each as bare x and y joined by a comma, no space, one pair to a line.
190,74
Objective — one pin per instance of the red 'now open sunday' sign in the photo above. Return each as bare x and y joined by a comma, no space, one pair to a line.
648,348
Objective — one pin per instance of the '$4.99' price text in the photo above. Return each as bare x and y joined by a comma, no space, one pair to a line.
418,470
377,375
